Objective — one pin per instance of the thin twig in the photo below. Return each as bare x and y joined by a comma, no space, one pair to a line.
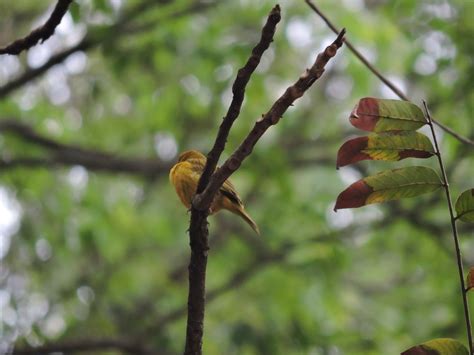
41,33
198,231
270,118
33,73
382,78
455,232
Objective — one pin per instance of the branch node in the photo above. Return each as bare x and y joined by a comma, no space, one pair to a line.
234,163
331,50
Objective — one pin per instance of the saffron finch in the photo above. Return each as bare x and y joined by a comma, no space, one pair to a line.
185,174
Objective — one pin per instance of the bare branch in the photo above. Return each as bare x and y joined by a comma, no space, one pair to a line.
198,231
92,40
32,74
199,211
41,33
238,90
382,78
203,200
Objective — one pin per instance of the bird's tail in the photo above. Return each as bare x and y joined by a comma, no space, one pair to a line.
242,213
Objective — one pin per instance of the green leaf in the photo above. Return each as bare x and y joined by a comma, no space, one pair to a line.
390,146
389,185
379,115
465,206
440,346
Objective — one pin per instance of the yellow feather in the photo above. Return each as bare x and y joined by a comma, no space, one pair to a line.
184,176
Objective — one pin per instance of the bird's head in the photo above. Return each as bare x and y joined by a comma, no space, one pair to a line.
190,155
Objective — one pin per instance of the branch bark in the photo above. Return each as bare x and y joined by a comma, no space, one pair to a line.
41,33
205,192
272,117
32,74
238,91
91,40
198,231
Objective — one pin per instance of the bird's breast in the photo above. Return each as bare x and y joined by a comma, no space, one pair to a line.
185,181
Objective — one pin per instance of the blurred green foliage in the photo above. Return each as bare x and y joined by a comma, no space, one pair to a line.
90,254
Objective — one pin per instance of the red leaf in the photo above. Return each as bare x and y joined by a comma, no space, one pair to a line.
354,196
388,146
351,152
362,121
383,115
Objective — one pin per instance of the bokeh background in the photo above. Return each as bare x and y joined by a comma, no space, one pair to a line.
93,240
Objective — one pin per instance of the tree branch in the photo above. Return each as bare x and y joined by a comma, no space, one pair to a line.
198,231
381,77
454,230
202,201
238,91
66,155
32,74
41,33
272,117
261,259
92,40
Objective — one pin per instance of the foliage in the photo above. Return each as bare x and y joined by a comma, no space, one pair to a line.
93,253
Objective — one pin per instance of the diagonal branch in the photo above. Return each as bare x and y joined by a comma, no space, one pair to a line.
92,40
272,117
199,210
41,33
382,78
198,231
32,74
238,91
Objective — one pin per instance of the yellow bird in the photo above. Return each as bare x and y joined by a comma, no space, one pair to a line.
185,174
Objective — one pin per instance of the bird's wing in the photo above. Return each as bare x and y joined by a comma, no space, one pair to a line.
228,190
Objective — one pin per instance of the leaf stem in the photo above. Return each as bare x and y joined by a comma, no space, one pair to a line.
455,231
